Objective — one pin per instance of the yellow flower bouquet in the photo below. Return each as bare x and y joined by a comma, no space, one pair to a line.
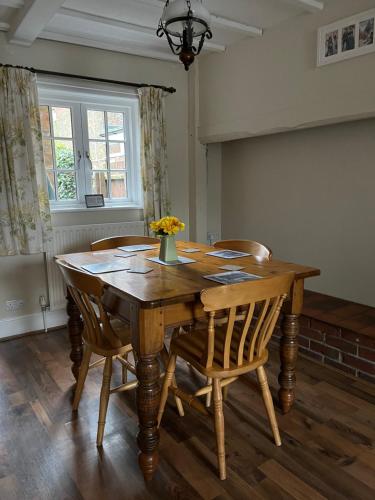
167,228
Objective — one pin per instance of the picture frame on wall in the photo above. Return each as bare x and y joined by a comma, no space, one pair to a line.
94,200
346,38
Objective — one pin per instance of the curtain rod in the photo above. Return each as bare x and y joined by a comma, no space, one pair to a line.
171,90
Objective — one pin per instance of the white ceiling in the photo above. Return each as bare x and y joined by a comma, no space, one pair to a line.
129,25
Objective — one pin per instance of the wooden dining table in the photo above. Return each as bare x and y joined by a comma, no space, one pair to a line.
169,296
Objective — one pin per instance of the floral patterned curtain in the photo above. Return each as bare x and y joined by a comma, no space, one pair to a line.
25,222
153,155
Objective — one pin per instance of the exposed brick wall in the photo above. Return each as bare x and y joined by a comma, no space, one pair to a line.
337,347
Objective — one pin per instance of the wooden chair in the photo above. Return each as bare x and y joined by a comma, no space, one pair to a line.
223,353
121,241
258,250
108,338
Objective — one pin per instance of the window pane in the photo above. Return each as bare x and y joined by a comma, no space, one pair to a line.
64,155
98,155
96,124
47,153
115,122
62,122
51,185
116,155
99,182
118,185
44,120
66,186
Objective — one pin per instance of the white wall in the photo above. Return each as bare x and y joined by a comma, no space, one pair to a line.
271,83
22,277
309,195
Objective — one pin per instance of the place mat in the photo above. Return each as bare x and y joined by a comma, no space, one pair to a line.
136,248
105,267
228,254
232,277
181,260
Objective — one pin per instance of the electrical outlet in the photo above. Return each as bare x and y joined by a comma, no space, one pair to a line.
14,305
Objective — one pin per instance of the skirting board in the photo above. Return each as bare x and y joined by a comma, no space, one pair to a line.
11,327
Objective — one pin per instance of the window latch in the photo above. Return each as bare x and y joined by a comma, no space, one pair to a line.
87,154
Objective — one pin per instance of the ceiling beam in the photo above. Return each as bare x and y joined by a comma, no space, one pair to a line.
31,19
15,4
216,20
126,48
147,31
310,5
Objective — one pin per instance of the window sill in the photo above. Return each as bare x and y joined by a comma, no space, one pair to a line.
95,209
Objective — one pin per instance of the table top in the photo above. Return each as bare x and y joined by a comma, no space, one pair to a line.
166,284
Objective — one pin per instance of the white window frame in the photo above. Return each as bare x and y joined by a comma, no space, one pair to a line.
80,96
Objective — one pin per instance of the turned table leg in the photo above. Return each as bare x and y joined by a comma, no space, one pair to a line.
288,358
75,327
289,347
148,398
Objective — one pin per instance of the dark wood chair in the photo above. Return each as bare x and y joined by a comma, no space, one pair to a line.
122,241
110,339
223,353
258,250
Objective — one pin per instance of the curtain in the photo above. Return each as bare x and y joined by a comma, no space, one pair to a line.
153,155
25,221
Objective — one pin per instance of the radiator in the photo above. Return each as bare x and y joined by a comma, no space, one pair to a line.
68,239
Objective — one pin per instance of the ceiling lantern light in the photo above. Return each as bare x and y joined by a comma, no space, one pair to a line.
186,24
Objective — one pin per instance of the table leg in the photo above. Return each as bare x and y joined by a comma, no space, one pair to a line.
148,335
75,327
289,347
148,398
288,358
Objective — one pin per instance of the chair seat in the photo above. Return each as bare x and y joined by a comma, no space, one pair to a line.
191,347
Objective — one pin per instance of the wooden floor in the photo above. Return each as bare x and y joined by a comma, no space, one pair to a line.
46,453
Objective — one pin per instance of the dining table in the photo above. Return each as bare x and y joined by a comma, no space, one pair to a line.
169,297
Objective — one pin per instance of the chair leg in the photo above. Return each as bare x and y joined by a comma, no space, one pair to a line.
82,377
219,427
104,397
165,358
225,392
166,384
124,370
209,394
268,403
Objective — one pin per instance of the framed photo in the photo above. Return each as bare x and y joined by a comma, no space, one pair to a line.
94,200
347,38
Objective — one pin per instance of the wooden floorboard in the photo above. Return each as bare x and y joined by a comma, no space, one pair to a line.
46,452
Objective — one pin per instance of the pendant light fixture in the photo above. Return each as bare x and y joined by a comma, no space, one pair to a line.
186,24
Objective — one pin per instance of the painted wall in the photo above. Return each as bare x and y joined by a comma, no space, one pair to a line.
271,83
309,195
22,277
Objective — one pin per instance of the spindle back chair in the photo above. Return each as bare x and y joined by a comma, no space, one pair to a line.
122,241
102,336
223,353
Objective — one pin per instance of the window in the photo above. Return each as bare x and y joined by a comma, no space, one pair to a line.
90,145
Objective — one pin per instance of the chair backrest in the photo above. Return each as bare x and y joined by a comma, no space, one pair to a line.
248,340
258,250
87,290
121,241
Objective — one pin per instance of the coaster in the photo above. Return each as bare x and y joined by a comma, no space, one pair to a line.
181,260
140,270
191,250
231,268
125,255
